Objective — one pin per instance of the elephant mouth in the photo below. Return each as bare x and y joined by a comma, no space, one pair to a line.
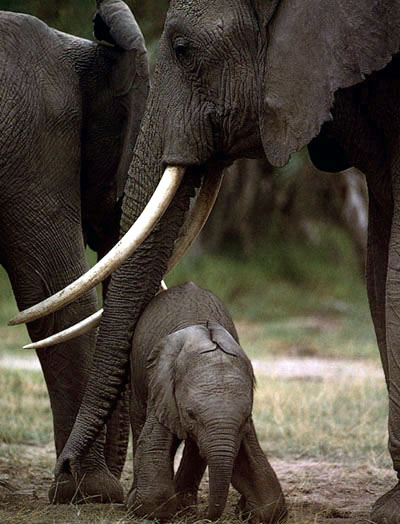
211,174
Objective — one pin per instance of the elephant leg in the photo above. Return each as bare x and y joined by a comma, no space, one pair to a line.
137,411
379,226
188,477
253,477
387,508
47,259
153,493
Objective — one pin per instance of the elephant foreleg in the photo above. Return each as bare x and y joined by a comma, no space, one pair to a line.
262,498
47,259
188,477
387,508
379,225
153,492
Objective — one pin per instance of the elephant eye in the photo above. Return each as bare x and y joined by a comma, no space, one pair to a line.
182,49
191,414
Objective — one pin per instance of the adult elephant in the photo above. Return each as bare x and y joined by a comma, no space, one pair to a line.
252,77
69,117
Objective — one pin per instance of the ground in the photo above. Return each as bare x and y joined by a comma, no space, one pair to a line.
316,491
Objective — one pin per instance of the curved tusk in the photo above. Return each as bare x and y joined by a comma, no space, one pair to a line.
82,327
198,216
154,210
193,225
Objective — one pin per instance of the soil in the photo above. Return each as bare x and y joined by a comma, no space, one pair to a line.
316,492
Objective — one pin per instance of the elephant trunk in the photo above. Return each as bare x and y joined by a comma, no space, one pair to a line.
221,453
131,288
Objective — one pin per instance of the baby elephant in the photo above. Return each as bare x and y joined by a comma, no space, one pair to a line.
192,381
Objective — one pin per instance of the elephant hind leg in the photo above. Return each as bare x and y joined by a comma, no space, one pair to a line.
188,477
262,499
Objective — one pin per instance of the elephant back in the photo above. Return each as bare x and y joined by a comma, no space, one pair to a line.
178,307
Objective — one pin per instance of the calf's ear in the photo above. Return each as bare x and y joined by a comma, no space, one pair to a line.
310,49
161,366
220,336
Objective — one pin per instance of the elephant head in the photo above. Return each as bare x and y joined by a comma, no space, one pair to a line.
233,78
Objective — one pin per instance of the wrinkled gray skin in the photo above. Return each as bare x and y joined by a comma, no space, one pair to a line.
69,117
251,78
192,381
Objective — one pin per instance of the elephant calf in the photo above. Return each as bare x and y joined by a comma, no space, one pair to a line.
192,381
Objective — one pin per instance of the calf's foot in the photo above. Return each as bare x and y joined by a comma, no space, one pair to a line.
159,505
273,512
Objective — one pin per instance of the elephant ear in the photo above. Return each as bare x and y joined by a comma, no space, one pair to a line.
312,49
161,365
220,336
115,25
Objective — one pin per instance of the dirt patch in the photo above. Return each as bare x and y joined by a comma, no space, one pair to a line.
317,368
286,367
316,492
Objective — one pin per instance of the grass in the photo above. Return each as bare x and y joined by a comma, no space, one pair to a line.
25,416
338,421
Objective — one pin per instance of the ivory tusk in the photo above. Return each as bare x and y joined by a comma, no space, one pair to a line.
82,327
191,229
153,211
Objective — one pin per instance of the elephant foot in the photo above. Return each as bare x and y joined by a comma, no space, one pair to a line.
92,487
271,513
186,501
156,505
386,509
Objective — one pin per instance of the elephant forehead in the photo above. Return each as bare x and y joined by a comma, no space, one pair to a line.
205,13
196,7
214,370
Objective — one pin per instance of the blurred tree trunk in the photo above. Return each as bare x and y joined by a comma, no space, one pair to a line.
255,197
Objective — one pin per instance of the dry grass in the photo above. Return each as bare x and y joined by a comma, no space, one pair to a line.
327,440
